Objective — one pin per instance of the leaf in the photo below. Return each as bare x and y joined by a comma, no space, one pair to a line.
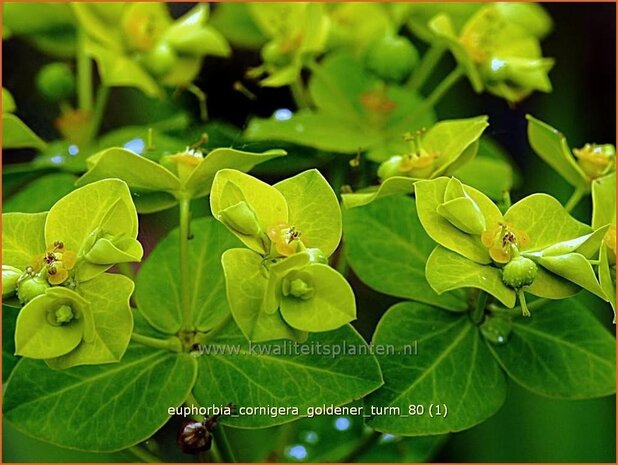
108,297
201,179
265,374
99,408
319,130
453,367
313,209
8,103
545,221
608,283
105,207
551,145
604,201
575,268
22,238
269,205
331,306
429,195
16,135
561,351
145,177
40,194
395,185
447,270
158,287
9,360
491,176
450,139
246,286
387,248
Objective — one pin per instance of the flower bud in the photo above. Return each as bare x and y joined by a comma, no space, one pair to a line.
298,284
519,272
56,82
10,276
596,160
161,59
460,210
31,287
274,53
241,218
61,315
391,57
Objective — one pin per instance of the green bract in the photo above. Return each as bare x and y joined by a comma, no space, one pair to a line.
441,149
497,52
297,32
355,111
500,253
281,287
580,166
140,45
187,174
15,133
74,313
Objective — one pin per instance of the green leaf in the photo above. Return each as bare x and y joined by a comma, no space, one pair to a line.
450,139
246,286
491,176
313,209
105,208
269,205
22,238
41,194
108,297
545,221
16,135
551,145
201,179
157,284
8,103
9,360
575,268
144,177
561,351
429,195
319,130
396,185
331,306
387,248
95,408
452,368
608,283
265,374
447,270
604,201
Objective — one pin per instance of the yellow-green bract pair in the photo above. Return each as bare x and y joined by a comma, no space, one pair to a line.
477,241
55,263
281,285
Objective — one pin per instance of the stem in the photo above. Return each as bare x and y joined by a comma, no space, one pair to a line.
298,94
522,303
223,445
574,199
479,309
363,447
144,455
538,303
436,95
216,330
173,343
427,65
84,75
201,100
185,298
97,114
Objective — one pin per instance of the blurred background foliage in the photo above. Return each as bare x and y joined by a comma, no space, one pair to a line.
582,105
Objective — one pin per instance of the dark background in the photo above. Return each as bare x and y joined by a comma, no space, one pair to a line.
582,106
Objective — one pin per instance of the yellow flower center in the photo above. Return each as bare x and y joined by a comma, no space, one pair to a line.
56,263
500,241
285,238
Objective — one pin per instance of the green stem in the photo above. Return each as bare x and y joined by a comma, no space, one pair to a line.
515,311
479,309
574,199
436,95
223,445
97,113
206,338
201,99
185,298
144,455
84,75
299,95
173,343
427,65
363,447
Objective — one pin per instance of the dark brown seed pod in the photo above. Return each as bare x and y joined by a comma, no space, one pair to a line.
194,437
